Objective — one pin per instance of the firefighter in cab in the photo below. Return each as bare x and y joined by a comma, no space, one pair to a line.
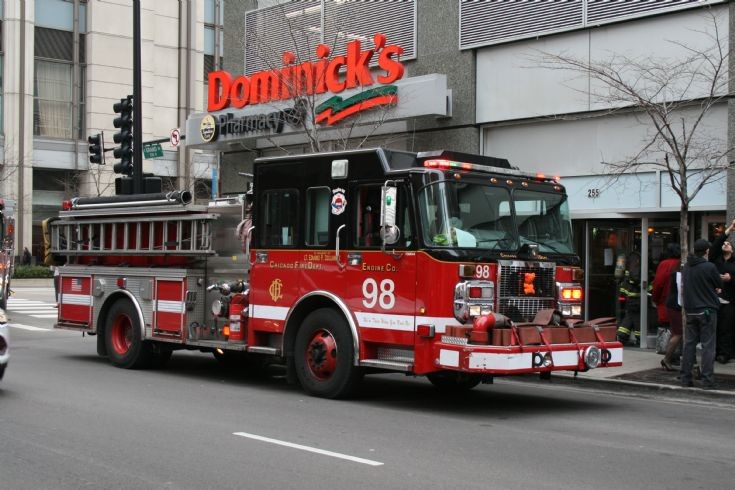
629,296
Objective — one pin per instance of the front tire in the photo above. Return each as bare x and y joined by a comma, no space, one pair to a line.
123,337
4,299
324,355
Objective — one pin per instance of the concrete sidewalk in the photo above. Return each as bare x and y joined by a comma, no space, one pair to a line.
642,371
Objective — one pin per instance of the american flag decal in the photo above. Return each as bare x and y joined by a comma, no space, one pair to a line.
76,285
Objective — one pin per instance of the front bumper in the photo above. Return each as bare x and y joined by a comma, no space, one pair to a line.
506,360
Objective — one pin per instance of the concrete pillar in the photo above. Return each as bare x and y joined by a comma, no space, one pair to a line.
17,170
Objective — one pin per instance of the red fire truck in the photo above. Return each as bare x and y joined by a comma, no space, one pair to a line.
454,266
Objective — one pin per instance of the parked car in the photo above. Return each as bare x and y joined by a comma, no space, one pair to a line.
4,343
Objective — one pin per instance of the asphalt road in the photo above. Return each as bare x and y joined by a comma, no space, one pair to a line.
68,419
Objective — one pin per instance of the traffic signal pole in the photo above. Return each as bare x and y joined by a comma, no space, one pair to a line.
137,104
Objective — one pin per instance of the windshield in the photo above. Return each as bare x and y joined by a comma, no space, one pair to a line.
466,215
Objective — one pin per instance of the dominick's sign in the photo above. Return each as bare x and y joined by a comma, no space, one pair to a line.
326,75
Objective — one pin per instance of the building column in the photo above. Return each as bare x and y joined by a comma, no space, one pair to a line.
730,213
187,74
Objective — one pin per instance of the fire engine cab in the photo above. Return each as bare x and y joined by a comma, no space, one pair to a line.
454,266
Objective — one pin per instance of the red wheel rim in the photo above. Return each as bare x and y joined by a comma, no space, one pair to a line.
321,354
122,334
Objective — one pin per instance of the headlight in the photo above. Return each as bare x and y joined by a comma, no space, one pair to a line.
473,299
592,356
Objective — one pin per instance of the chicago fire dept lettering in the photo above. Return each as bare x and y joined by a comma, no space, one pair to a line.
275,290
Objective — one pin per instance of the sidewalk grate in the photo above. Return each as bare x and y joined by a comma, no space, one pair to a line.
725,382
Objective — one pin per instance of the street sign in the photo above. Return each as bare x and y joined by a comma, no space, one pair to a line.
175,137
152,150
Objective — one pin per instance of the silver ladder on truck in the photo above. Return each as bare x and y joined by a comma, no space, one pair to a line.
173,229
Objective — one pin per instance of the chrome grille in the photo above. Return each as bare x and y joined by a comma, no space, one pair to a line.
513,301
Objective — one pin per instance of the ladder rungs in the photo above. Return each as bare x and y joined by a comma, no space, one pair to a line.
183,234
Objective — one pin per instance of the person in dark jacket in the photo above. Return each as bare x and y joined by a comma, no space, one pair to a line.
26,260
702,284
722,256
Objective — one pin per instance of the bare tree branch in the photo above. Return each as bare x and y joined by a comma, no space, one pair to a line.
674,96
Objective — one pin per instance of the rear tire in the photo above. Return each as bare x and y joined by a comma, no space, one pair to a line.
124,339
324,355
454,382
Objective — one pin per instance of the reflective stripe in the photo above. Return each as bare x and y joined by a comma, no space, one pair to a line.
169,306
481,360
268,312
449,358
76,299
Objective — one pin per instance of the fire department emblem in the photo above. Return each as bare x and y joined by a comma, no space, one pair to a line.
275,290
339,201
208,128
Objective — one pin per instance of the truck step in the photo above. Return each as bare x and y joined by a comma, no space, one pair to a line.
389,365
217,344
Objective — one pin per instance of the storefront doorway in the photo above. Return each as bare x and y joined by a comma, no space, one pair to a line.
607,247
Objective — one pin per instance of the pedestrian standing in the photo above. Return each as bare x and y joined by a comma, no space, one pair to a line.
26,260
661,283
722,256
675,323
660,293
702,284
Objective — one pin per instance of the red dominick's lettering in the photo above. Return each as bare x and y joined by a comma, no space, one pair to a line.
307,78
393,68
358,66
219,90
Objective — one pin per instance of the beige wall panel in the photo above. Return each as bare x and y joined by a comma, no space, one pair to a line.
167,31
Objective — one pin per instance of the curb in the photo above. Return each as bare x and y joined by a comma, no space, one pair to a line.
637,387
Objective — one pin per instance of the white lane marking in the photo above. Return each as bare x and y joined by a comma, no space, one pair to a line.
310,449
44,316
28,327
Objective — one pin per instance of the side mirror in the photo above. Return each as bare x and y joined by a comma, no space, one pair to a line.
389,232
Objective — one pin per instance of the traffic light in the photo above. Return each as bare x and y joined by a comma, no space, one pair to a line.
97,148
124,138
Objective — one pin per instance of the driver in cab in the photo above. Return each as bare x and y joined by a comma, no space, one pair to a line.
455,236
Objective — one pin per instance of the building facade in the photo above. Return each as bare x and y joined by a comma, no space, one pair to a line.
64,63
500,102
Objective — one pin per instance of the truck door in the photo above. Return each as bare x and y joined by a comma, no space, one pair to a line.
380,286
274,277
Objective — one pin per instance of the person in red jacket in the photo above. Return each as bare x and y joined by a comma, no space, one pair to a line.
661,282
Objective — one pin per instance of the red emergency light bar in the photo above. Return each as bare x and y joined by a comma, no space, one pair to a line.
443,164
448,164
